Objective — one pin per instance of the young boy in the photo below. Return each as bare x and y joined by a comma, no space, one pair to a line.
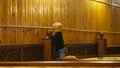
58,42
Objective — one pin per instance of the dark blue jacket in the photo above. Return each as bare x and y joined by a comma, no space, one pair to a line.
57,41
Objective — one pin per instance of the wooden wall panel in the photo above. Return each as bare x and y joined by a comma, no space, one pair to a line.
81,20
1,17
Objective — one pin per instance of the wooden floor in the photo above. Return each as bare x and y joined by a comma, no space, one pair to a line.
107,57
103,58
117,57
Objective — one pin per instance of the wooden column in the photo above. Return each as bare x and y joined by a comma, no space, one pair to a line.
102,43
47,44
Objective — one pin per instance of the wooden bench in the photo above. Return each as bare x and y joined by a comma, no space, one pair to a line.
81,63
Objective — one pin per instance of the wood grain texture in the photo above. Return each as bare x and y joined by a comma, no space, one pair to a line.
73,14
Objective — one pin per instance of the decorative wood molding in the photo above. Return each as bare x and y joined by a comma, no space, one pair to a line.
81,63
70,29
29,27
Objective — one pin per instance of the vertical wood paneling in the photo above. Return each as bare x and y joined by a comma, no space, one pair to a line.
1,17
73,14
